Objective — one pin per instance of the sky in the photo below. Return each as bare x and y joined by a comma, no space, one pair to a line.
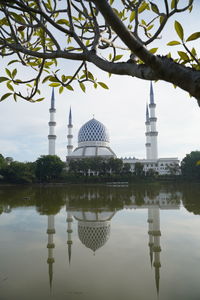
24,125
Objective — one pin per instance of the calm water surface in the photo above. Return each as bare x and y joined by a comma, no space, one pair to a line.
95,242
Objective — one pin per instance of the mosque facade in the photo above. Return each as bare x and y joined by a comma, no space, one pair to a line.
94,141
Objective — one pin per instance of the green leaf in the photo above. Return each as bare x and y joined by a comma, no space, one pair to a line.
82,86
18,17
153,50
154,7
183,55
179,30
118,57
9,86
69,87
13,61
8,73
193,36
143,7
40,99
173,43
53,79
194,51
3,79
54,84
95,85
5,96
14,72
161,19
90,75
63,21
15,97
46,79
150,27
132,16
61,89
103,85
173,3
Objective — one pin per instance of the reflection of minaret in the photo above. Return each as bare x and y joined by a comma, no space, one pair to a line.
69,232
50,246
52,124
150,232
154,241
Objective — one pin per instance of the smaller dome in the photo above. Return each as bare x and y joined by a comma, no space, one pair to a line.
93,131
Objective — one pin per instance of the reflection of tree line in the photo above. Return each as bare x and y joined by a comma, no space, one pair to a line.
49,200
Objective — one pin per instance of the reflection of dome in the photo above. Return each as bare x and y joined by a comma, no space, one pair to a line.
93,130
94,234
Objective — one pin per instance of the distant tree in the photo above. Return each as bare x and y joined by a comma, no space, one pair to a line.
18,172
151,173
139,169
40,34
2,161
115,165
126,168
190,166
48,167
98,165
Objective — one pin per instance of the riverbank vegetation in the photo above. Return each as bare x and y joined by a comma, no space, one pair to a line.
50,169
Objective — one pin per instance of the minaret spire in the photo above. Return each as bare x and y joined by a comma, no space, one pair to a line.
153,132
147,113
52,124
52,99
151,94
70,117
148,137
69,135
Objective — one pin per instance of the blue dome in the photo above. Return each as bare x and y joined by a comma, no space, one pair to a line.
93,130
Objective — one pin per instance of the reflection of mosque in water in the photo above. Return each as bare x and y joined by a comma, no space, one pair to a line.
94,224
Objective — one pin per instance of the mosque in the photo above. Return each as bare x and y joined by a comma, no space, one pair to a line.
94,141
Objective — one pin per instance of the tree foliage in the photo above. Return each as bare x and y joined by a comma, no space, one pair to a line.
97,165
190,166
48,167
18,172
115,36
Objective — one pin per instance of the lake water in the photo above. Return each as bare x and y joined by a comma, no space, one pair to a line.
100,242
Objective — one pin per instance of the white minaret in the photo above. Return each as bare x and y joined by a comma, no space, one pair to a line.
69,234
153,120
50,246
52,124
148,137
69,135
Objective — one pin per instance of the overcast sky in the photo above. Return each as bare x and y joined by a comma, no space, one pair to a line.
24,126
